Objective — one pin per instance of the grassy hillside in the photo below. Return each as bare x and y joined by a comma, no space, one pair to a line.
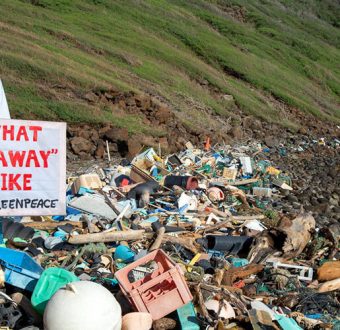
267,54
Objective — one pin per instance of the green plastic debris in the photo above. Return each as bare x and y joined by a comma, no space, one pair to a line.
204,169
187,317
50,281
262,288
287,323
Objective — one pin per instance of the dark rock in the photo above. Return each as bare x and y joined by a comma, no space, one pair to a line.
130,101
100,151
117,134
292,198
333,173
163,114
148,141
236,132
143,101
271,141
134,146
103,130
163,141
251,123
302,130
79,145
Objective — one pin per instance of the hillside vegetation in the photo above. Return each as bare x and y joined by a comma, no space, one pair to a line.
269,55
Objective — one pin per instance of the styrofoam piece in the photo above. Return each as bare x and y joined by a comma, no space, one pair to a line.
260,191
93,204
90,181
254,225
246,164
190,201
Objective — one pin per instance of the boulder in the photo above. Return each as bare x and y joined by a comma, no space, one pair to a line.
236,132
117,134
271,141
163,141
143,101
251,123
80,145
100,151
148,141
163,114
134,146
103,130
130,101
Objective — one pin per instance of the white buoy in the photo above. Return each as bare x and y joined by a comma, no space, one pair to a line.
83,305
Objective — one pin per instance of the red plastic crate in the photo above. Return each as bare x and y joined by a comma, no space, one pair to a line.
159,292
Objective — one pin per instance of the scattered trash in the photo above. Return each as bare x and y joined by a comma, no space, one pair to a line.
201,239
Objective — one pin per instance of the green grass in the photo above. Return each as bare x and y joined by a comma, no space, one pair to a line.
286,49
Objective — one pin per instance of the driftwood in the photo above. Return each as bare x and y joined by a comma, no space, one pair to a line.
262,247
158,241
218,277
330,286
218,212
50,225
248,217
295,234
298,232
107,237
183,241
91,226
219,225
201,304
233,274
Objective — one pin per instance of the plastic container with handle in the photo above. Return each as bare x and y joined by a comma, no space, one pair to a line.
51,280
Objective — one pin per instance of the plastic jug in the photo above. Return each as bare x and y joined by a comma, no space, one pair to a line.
51,280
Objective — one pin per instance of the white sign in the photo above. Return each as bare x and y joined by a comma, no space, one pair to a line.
32,168
4,112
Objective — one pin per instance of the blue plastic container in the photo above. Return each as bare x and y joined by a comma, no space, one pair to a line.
20,269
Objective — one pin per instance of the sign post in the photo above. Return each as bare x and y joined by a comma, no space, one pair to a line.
4,111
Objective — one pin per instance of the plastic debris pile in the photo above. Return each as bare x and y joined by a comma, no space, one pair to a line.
196,240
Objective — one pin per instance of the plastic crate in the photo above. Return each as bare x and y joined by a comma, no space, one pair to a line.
158,293
20,269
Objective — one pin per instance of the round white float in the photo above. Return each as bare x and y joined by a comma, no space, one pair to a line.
83,305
